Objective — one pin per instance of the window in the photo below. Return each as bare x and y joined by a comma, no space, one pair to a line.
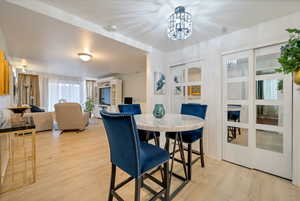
60,89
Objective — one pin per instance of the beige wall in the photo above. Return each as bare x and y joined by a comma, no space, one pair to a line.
134,85
156,62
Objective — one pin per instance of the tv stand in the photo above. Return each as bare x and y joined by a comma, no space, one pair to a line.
115,95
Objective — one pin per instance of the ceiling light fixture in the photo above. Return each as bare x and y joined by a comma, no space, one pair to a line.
180,24
85,56
111,28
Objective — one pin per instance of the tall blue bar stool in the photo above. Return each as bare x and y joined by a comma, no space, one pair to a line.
132,156
190,137
234,116
135,109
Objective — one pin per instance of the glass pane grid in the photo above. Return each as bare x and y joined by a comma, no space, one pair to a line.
269,90
267,61
269,115
238,136
266,64
237,113
237,91
237,68
269,140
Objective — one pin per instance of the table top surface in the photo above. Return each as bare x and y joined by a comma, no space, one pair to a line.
12,124
169,123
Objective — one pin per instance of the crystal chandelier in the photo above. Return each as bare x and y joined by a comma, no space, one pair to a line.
180,24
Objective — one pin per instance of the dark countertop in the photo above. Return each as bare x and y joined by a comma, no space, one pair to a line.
16,123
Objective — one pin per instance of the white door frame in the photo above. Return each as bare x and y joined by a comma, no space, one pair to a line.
251,156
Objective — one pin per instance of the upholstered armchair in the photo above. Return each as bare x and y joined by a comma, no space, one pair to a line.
69,116
43,120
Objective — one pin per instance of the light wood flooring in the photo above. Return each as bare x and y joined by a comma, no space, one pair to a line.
75,167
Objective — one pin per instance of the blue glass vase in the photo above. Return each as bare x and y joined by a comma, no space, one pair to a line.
159,111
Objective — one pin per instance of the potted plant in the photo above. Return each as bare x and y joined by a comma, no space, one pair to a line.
290,56
89,106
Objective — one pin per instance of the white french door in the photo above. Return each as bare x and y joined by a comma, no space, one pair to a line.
257,112
186,85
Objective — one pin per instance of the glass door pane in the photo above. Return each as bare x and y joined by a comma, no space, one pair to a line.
269,140
269,89
237,91
237,68
237,113
269,105
237,132
266,64
238,136
269,115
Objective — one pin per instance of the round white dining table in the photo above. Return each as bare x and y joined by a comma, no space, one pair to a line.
175,123
169,123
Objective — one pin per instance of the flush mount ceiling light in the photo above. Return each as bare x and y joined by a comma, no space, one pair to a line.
180,24
85,56
111,28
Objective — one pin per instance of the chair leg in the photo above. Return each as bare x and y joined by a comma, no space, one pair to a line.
138,185
157,141
112,182
166,181
167,145
189,163
202,153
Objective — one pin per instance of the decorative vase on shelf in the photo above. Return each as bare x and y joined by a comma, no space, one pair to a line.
159,111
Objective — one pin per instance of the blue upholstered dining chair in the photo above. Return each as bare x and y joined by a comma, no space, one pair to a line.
234,116
190,137
132,156
134,109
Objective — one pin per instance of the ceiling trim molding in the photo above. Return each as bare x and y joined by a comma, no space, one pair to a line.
68,18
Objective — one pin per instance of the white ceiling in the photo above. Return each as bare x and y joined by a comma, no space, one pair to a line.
146,21
52,46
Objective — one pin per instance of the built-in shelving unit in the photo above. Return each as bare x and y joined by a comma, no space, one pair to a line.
115,89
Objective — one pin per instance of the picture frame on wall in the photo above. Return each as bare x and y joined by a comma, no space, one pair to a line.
159,83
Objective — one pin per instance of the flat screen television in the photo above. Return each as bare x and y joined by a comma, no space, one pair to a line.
104,96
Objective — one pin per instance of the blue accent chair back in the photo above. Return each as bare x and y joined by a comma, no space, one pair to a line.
130,108
136,109
234,115
123,141
194,109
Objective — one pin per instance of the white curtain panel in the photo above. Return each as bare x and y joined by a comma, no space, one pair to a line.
43,79
64,88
